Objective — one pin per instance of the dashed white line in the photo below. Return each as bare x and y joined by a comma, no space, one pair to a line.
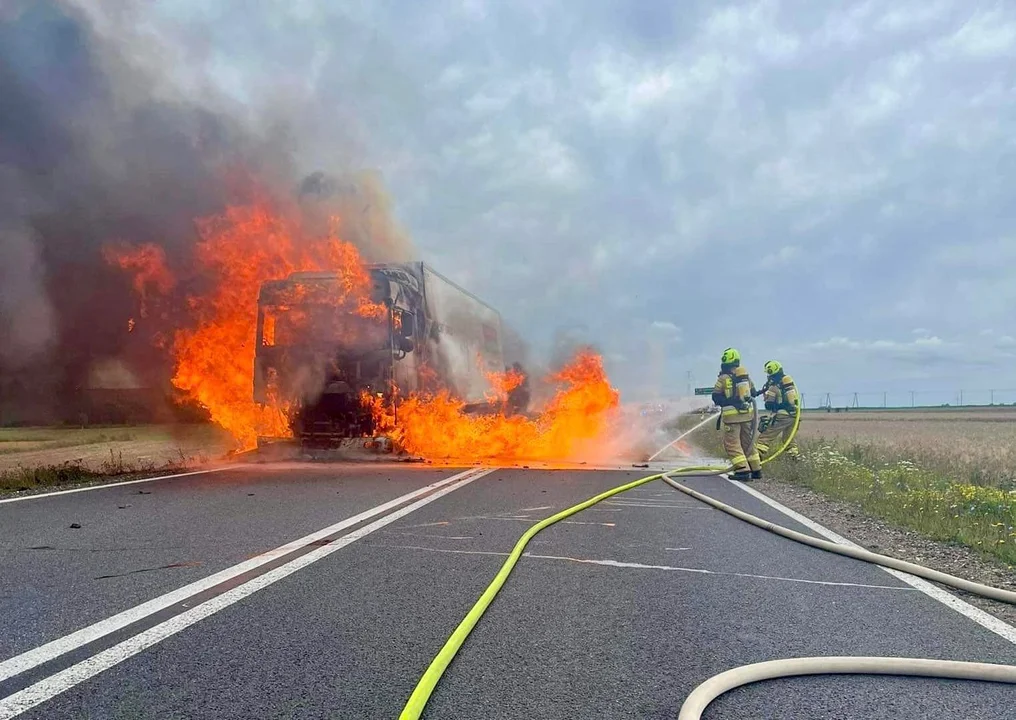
655,505
985,620
643,566
700,571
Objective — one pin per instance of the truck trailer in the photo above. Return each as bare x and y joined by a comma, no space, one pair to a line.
320,360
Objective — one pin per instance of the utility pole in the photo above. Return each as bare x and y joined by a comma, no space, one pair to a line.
961,398
992,396
885,400
911,398
689,383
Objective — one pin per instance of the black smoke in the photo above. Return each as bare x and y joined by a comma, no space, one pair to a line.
97,147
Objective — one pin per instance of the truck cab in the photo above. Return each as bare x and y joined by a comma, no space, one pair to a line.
320,351
339,363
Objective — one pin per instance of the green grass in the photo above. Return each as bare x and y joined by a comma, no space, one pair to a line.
980,516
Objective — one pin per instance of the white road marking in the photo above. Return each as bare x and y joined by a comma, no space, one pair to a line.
532,509
432,537
655,505
117,484
700,571
44,653
985,620
666,548
580,522
498,517
642,566
40,692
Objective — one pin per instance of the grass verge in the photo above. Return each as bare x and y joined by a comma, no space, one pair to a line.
979,516
44,477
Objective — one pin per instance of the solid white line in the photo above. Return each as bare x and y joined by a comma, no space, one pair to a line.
23,700
116,484
985,620
45,653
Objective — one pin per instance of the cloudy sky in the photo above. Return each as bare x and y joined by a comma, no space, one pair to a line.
829,184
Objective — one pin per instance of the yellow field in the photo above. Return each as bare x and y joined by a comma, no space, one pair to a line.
976,445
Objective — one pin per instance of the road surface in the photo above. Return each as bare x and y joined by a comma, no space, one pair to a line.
323,591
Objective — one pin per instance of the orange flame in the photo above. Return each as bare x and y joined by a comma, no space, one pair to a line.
148,265
214,355
236,252
501,384
568,428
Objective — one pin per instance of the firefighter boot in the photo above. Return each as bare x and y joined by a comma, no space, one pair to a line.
742,475
756,474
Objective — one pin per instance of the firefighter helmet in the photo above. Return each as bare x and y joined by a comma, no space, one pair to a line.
730,356
772,367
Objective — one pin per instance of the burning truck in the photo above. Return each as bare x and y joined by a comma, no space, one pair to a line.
339,364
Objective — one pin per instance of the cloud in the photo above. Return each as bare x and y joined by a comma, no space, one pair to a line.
665,329
815,178
988,33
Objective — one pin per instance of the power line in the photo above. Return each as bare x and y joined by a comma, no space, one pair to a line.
886,399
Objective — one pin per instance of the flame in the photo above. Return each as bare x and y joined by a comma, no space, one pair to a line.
148,266
502,383
213,350
236,252
570,426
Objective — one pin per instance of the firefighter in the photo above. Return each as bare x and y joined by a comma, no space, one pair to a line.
781,399
735,393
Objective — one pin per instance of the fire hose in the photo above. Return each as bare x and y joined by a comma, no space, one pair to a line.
696,702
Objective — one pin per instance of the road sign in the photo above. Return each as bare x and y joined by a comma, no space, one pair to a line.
704,391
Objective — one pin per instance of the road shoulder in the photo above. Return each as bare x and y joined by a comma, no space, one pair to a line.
881,537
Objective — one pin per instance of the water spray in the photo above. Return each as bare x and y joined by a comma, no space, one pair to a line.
680,437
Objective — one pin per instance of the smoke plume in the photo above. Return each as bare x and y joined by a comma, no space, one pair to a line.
97,146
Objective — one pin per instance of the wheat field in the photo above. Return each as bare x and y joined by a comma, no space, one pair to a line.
976,446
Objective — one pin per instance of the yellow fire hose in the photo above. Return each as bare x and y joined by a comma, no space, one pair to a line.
715,686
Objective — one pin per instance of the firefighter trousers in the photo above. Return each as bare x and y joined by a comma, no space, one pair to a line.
739,444
775,430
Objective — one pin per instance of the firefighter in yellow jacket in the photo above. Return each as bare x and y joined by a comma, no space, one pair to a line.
735,393
781,400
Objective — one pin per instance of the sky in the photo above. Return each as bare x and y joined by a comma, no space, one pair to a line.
826,184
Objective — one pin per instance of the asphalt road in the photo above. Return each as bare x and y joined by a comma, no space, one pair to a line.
618,612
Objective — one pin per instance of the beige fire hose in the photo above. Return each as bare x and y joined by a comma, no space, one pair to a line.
1006,596
715,686
839,665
